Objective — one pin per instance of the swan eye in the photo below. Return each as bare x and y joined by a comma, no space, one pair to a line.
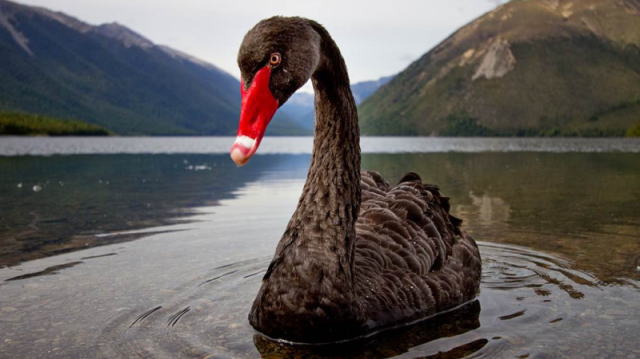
275,59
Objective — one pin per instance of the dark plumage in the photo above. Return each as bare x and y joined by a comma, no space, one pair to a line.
358,255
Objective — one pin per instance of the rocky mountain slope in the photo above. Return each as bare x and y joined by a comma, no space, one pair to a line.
529,67
109,75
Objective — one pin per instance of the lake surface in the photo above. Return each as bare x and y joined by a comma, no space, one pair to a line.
155,247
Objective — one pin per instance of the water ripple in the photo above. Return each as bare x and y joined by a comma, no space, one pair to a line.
522,306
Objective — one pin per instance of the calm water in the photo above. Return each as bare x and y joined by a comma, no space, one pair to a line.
155,247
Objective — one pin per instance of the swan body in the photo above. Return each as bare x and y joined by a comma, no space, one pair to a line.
358,255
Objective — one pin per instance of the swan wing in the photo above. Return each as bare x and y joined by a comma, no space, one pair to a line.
411,259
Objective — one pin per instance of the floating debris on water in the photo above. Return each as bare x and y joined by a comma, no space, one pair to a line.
202,167
19,185
37,188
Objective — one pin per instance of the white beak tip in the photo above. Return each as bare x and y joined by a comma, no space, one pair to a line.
238,157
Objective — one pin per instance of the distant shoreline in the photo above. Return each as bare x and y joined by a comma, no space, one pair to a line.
35,125
24,124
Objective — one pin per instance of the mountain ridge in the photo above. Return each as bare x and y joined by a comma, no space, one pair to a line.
109,75
545,67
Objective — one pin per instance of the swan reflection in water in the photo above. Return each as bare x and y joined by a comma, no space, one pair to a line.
393,342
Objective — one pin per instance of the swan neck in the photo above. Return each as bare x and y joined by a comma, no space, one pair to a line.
335,166
329,205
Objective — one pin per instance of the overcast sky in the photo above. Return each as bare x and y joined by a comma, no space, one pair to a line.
377,38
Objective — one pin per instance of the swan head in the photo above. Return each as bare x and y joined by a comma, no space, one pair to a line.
277,56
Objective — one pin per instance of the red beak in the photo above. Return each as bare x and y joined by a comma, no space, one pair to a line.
258,107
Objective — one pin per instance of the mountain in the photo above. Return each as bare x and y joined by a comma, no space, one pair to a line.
300,107
362,90
529,67
111,76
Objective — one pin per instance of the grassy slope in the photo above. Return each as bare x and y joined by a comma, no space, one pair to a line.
569,78
15,123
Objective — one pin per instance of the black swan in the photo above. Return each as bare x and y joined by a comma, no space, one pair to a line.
358,255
